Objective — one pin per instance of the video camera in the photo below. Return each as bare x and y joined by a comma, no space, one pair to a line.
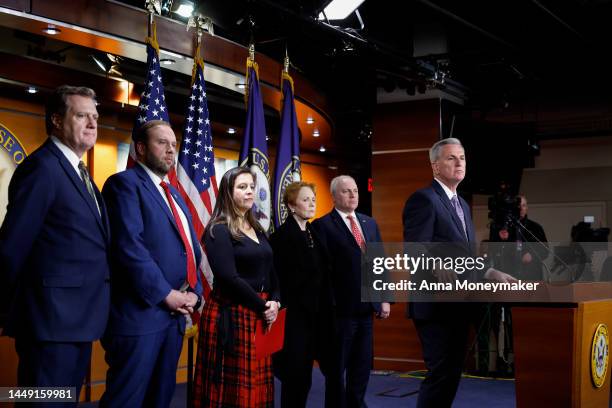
583,232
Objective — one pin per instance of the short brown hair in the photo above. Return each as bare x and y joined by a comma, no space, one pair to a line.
142,133
56,104
293,190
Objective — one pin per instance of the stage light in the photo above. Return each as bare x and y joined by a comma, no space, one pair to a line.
99,63
339,9
185,9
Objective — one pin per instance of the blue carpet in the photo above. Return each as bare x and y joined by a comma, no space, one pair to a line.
391,391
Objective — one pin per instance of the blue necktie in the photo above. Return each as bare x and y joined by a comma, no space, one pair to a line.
459,211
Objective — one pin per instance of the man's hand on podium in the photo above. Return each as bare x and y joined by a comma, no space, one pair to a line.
499,276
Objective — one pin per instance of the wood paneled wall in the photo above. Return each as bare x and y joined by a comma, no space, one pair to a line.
403,133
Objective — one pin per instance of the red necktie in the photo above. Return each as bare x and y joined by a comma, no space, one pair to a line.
356,232
191,268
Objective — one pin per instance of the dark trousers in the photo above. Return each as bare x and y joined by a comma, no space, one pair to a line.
52,364
352,363
142,369
308,337
444,346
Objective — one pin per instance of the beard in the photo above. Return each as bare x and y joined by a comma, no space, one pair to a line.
157,166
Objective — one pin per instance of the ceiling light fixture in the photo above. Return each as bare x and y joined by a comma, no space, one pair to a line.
231,131
322,149
241,85
99,63
167,61
310,120
51,30
316,133
339,9
32,90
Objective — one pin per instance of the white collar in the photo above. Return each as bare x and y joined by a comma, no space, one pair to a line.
344,215
71,156
154,177
447,190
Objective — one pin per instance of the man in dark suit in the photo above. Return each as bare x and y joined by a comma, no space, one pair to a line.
534,248
437,214
154,278
345,233
53,249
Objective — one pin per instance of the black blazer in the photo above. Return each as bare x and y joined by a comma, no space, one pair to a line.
430,217
347,260
299,291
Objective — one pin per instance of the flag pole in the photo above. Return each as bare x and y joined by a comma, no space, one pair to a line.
199,25
287,62
150,5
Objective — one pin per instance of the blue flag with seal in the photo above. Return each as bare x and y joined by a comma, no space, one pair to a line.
287,167
254,149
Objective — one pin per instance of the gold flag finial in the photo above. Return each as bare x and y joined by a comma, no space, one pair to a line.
287,62
201,24
154,6
252,52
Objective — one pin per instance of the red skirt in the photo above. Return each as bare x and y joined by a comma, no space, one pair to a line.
227,373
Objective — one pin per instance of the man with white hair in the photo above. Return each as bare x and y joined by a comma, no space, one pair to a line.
437,214
345,233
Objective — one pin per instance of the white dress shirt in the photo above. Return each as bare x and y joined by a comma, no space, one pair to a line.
74,161
344,217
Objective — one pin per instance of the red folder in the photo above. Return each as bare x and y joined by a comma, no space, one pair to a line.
268,342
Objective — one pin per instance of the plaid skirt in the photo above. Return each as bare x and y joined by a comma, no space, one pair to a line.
227,373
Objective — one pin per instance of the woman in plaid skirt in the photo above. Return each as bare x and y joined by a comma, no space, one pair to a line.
245,294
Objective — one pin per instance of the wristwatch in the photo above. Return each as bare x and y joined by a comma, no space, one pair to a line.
198,303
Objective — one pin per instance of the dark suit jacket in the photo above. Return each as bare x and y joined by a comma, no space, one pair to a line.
148,255
430,217
53,252
346,261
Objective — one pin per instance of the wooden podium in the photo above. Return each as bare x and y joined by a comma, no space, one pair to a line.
552,345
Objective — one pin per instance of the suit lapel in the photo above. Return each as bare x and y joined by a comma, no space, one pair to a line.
365,228
79,185
468,220
155,194
294,237
339,222
446,202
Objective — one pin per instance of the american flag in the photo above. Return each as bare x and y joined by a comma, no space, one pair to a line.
195,171
152,104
